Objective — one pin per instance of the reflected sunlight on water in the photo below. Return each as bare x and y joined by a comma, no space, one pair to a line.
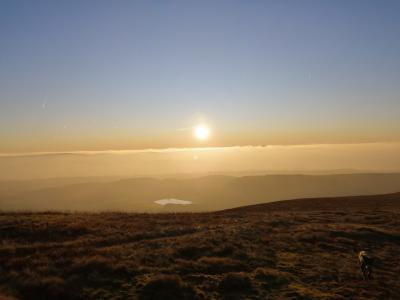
172,201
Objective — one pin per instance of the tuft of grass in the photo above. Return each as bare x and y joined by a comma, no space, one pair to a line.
34,286
273,278
219,265
192,252
6,297
167,287
235,283
307,292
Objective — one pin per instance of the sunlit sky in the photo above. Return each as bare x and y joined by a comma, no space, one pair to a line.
98,75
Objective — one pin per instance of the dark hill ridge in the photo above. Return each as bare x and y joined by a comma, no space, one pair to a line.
294,249
370,202
208,193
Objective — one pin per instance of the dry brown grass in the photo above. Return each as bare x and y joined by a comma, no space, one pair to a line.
263,253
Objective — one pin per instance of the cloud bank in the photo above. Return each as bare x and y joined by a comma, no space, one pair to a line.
368,157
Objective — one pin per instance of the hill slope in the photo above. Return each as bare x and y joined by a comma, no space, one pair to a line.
369,202
257,252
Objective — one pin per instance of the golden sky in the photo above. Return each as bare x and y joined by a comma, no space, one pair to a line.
138,75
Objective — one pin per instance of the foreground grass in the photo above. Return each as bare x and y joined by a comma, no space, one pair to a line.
238,254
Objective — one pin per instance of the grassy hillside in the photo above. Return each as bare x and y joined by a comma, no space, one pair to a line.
301,249
207,193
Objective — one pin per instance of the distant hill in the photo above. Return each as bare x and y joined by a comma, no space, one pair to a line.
206,193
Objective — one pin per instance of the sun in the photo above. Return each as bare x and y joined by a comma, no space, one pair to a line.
201,132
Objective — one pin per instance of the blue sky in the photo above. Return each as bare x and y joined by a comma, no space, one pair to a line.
130,74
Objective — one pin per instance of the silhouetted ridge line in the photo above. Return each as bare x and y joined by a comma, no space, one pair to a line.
370,202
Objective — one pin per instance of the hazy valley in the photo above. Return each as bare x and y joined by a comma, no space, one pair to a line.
205,193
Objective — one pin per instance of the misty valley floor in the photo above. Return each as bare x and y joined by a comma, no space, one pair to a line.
246,253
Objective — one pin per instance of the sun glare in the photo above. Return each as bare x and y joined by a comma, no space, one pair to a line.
201,132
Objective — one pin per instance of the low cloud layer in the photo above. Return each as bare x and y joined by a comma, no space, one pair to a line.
368,157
